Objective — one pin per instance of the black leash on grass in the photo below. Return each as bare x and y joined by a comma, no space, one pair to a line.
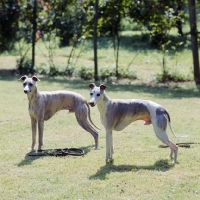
58,152
181,144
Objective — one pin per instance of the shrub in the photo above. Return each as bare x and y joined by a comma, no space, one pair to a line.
45,69
69,71
53,71
168,75
109,72
42,69
86,73
127,74
106,72
24,66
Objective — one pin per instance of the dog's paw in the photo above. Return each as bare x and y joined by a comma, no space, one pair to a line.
31,150
110,160
96,148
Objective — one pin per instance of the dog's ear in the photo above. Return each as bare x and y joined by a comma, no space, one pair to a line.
23,78
103,87
91,85
34,78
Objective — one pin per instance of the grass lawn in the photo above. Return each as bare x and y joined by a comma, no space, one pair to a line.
140,169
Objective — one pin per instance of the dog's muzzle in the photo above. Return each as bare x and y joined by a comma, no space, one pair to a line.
26,92
91,104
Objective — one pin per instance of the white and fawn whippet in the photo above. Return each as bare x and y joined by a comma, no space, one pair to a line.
116,114
43,105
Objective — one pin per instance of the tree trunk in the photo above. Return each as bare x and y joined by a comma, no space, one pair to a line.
194,42
95,41
33,35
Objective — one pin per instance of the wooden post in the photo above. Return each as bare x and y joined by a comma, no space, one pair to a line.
194,42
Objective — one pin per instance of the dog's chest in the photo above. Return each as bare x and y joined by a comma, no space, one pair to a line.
103,112
35,109
32,111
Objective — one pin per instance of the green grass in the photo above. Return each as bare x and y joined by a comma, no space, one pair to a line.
140,169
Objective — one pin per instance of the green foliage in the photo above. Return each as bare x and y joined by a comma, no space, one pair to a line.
86,73
52,70
107,72
65,18
42,69
158,17
110,72
24,66
169,75
127,74
70,20
69,71
9,16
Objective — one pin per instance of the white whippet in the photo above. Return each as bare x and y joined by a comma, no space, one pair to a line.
116,114
43,105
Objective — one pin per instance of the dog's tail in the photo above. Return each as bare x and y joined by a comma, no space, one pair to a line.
89,117
169,122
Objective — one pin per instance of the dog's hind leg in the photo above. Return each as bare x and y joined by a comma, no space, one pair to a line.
82,118
162,135
34,126
86,126
81,114
174,149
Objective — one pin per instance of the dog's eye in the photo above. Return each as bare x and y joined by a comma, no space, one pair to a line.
98,95
91,94
24,84
30,84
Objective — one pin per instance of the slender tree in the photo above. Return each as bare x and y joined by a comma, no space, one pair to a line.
194,40
34,30
95,40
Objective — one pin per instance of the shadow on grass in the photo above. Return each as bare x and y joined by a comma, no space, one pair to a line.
160,165
158,90
32,156
7,75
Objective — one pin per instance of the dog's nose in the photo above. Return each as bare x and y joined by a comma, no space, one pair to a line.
91,104
25,91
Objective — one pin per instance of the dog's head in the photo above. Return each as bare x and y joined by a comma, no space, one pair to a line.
96,93
29,83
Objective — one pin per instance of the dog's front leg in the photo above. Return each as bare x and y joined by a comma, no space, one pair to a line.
33,125
40,132
109,146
